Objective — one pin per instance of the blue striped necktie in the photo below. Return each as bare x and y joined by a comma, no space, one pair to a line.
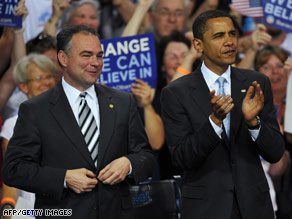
221,81
88,127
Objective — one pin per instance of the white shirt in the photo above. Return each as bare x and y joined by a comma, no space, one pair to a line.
210,78
7,132
7,128
92,101
74,101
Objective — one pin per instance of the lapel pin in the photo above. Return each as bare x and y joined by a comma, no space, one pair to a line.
243,90
111,106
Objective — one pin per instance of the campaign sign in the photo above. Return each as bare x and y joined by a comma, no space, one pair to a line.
126,59
7,17
278,13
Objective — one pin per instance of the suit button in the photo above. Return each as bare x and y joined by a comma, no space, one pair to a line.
232,162
95,208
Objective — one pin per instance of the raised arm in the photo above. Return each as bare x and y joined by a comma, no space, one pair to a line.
6,42
259,37
153,123
58,9
136,20
7,83
126,8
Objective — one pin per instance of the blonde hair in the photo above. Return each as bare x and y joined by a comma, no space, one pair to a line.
21,69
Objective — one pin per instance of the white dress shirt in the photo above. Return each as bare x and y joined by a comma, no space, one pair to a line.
92,101
210,78
74,101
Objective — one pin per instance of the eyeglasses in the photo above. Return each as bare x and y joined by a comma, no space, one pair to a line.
165,13
41,78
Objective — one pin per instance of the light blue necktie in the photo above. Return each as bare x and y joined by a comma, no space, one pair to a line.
226,121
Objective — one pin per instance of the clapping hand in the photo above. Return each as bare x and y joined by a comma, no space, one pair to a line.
252,106
142,92
221,106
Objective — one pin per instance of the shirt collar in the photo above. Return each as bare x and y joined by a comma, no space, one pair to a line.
211,77
73,94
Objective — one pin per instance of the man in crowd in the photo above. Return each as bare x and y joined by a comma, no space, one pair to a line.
219,122
77,145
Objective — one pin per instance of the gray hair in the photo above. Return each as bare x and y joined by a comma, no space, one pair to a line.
156,2
77,4
21,73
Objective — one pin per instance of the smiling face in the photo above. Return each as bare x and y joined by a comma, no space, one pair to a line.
38,82
83,65
219,44
274,69
174,55
85,15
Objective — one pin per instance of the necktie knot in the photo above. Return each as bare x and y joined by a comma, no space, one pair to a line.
83,95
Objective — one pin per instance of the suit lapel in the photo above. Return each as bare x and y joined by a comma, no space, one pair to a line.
238,92
107,111
200,92
63,114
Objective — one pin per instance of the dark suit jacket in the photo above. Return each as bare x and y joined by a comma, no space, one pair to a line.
215,168
47,141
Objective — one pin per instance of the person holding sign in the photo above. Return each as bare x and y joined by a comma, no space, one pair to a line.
7,84
97,126
218,121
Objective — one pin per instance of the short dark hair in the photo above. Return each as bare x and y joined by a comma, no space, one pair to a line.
199,25
65,36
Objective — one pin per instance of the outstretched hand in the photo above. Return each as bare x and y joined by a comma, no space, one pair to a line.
252,106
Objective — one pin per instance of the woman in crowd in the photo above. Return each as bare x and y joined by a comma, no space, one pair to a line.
273,62
175,58
34,74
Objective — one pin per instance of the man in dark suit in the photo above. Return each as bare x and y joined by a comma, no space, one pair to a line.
218,129
51,155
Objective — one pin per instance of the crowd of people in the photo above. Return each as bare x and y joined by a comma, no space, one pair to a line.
219,117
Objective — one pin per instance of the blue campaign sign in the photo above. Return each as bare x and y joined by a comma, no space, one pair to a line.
278,13
126,59
7,17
